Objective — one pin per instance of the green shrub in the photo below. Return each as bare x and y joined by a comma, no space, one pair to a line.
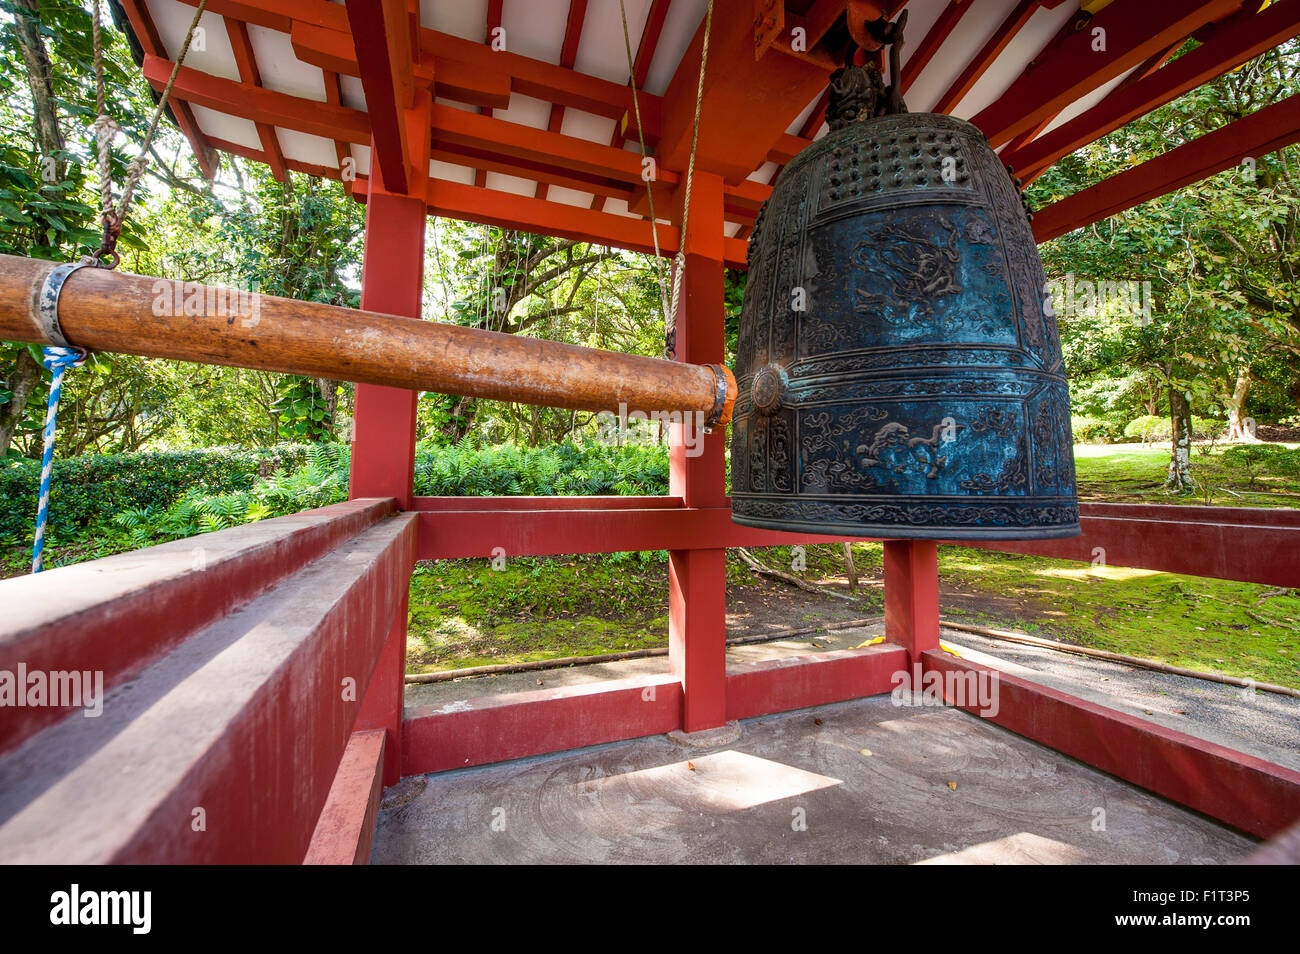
1151,427
134,500
1259,459
88,492
1095,430
549,470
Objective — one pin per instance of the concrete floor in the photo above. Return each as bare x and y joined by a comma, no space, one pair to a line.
873,783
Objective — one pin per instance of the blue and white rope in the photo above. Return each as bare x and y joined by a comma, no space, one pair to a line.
56,360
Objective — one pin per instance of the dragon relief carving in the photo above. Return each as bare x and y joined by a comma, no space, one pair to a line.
896,449
920,270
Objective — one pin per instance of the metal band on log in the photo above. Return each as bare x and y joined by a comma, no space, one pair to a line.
102,310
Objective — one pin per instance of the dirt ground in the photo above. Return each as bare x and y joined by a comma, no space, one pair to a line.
764,605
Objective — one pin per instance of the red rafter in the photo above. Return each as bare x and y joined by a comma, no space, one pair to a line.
1070,68
568,56
931,42
245,59
334,96
260,105
507,210
1258,134
1238,43
493,22
645,54
991,50
147,33
381,32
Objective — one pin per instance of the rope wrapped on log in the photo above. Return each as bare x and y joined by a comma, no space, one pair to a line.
100,310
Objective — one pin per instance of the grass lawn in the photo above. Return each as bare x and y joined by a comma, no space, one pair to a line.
464,613
1242,629
1132,473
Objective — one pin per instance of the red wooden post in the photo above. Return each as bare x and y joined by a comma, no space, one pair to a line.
697,589
383,442
912,595
383,703
392,281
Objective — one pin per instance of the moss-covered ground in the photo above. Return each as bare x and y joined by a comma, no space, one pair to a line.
468,613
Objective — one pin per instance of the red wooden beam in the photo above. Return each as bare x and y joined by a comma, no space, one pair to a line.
645,51
796,682
333,51
745,111
454,128
496,728
1239,42
260,105
381,33
466,533
259,155
137,12
568,56
1241,790
494,14
346,827
280,14
1069,67
118,614
246,61
245,720
991,50
507,210
1224,543
1258,134
334,96
1257,546
931,42
488,160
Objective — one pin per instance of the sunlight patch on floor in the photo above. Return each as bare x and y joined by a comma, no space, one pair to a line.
725,781
1023,848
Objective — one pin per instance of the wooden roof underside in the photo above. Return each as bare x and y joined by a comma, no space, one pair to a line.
542,135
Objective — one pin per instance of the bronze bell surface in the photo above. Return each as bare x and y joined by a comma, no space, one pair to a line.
899,369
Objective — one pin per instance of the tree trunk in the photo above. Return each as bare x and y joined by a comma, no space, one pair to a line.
1179,479
40,80
1238,428
329,392
850,567
462,420
21,381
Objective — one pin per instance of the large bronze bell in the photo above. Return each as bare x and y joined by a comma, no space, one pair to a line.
899,369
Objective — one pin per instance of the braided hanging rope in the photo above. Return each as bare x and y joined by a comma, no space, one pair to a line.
679,261
640,133
106,129
667,303
56,360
